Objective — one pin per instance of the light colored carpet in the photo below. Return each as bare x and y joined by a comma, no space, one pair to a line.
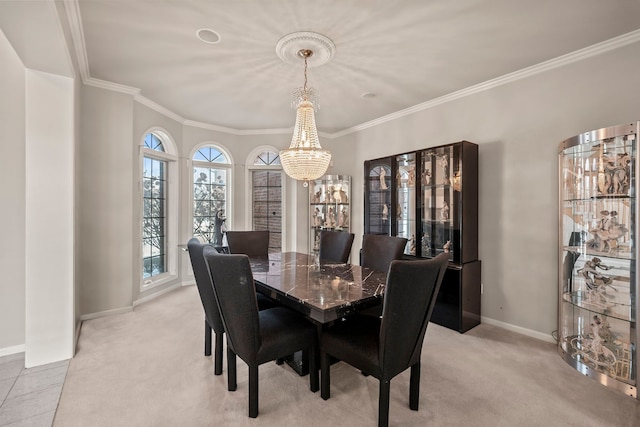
147,368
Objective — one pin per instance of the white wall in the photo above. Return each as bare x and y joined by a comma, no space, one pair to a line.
12,199
105,192
49,189
518,127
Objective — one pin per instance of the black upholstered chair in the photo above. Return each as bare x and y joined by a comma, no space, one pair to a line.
254,244
335,246
256,336
379,250
212,319
211,312
385,347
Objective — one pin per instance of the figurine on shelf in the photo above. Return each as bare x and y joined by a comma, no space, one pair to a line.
447,246
400,213
337,196
426,177
343,221
592,347
316,243
331,218
590,273
613,174
385,212
444,165
316,196
426,244
317,218
343,196
597,283
328,195
411,180
606,233
444,212
383,182
412,245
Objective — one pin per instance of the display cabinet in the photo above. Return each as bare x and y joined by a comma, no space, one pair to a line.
422,196
597,331
329,198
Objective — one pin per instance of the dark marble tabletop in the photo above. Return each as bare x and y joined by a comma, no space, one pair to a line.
322,292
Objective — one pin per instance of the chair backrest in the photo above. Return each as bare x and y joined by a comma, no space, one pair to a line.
409,297
379,250
235,294
203,282
254,244
335,246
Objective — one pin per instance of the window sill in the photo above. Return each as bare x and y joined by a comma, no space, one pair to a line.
158,280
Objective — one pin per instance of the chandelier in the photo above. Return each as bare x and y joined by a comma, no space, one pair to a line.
305,159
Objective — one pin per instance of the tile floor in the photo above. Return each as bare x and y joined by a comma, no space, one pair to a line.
29,397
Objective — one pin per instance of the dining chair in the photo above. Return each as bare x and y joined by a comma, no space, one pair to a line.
212,320
254,244
335,246
379,250
256,336
384,347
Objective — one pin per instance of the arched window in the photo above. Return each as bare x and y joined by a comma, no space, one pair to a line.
266,179
155,167
211,189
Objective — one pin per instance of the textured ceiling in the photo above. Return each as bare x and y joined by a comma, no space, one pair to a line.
405,52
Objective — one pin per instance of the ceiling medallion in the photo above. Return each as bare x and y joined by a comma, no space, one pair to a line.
288,47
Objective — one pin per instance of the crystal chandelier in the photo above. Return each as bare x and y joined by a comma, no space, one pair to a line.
305,159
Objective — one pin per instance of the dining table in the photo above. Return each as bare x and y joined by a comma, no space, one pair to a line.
323,292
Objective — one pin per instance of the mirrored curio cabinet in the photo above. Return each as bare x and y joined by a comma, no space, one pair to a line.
430,197
329,207
597,332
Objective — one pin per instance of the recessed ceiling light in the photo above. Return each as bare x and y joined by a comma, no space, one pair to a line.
368,95
207,35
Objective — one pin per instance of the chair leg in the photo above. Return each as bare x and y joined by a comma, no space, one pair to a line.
207,338
313,370
231,370
325,383
218,354
383,404
414,387
253,391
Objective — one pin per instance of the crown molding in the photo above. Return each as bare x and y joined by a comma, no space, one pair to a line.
116,87
218,128
560,61
157,107
72,9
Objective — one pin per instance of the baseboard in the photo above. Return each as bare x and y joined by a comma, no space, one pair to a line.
523,331
105,313
12,350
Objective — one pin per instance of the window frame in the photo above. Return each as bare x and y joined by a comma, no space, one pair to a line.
229,166
170,156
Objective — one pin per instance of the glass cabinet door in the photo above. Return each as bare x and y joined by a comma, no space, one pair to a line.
439,167
406,200
597,285
378,209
